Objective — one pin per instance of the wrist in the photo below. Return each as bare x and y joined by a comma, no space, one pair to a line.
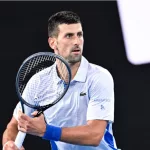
52,133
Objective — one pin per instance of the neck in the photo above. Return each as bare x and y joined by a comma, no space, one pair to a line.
74,69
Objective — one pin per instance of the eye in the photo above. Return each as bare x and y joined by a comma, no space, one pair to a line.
69,35
80,34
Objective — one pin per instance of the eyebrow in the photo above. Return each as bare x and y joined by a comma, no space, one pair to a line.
73,33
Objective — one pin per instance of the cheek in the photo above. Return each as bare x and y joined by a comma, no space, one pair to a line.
64,49
66,45
82,41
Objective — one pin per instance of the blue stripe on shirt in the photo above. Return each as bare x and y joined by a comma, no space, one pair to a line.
109,138
53,145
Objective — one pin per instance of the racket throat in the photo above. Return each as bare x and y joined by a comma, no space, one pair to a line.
39,113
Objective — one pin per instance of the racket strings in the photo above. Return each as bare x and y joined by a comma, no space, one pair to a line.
33,66
48,86
39,63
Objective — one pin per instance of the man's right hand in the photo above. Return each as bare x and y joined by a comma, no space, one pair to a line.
10,145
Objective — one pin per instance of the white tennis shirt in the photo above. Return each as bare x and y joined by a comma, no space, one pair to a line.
90,96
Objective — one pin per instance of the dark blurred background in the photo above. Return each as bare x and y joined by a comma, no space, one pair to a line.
23,31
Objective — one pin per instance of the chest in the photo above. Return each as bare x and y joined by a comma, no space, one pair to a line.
71,109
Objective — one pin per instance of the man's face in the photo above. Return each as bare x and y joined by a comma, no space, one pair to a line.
69,43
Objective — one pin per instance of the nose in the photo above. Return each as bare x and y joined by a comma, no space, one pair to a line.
76,40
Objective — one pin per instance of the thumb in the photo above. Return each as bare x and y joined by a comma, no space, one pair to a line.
37,113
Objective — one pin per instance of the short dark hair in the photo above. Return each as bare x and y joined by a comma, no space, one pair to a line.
62,17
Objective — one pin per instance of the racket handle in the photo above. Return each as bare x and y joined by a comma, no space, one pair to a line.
20,139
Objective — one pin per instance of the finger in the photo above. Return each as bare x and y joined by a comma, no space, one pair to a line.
22,129
34,113
23,116
13,146
19,112
22,123
10,146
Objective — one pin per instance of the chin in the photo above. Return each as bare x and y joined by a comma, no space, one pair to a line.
75,60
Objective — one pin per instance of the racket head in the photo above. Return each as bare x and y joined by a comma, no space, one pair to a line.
33,65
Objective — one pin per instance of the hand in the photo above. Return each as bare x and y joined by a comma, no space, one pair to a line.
35,126
10,145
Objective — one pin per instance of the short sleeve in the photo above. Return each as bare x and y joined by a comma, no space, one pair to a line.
101,94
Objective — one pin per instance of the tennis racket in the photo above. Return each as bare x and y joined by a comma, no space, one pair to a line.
55,74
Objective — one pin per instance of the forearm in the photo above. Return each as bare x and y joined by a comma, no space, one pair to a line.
90,134
10,133
82,135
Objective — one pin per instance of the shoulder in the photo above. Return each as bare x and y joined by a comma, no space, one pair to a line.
99,73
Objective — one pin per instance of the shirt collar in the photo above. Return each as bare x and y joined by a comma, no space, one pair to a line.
82,70
80,75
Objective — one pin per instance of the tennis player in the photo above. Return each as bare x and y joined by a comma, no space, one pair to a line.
83,119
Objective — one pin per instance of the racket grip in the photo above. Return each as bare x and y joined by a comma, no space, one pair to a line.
20,139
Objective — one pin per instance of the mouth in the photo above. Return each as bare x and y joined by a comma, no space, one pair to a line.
76,50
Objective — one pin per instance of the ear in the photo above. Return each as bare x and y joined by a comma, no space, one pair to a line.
52,42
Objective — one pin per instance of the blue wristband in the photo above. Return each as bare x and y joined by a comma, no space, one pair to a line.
52,133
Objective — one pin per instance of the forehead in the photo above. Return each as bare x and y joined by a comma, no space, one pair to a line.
70,28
